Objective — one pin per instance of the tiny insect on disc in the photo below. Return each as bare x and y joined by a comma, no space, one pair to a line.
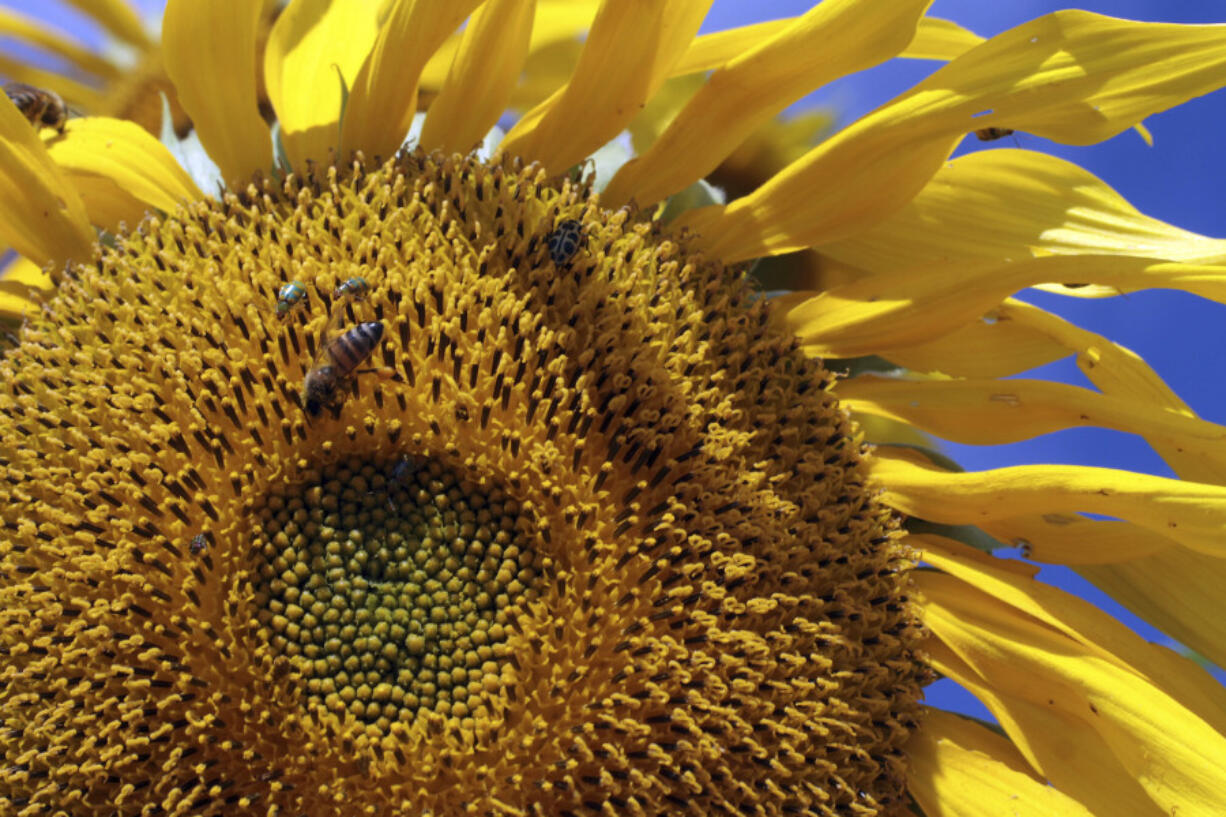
564,242
289,296
353,287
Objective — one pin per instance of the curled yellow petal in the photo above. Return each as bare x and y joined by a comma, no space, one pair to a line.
937,39
1004,205
490,58
209,52
627,56
553,52
1161,721
1122,373
895,309
121,170
310,42
994,412
23,286
1176,590
41,215
961,769
1191,513
1071,76
994,346
710,51
33,31
1065,750
835,38
1071,539
383,97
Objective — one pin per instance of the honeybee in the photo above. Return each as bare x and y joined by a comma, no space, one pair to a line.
336,363
43,108
990,134
289,296
564,241
353,287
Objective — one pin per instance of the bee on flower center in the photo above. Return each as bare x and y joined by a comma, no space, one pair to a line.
564,242
322,386
289,296
353,287
41,107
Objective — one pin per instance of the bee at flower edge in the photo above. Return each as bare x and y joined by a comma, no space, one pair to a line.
992,134
41,107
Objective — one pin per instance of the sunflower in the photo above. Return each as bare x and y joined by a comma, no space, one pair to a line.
421,479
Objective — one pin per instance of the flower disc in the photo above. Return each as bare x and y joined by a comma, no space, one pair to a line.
591,537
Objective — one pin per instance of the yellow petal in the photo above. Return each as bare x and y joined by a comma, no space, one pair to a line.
993,347
937,39
118,17
1003,205
1070,539
1177,590
309,43
142,173
1120,372
41,215
491,56
554,52
1063,749
1191,513
1096,631
209,51
994,412
628,55
1071,76
895,309
383,97
1163,726
961,769
711,51
23,286
32,30
836,38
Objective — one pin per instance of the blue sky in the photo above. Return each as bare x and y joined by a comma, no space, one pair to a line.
1180,179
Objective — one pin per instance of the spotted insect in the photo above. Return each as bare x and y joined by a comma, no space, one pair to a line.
289,296
336,363
41,107
564,242
197,544
992,134
353,287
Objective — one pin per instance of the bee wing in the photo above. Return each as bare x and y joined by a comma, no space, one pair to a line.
327,336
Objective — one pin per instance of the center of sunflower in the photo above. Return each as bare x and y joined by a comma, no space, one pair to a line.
393,586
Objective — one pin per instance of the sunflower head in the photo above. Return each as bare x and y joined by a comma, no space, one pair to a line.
597,535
